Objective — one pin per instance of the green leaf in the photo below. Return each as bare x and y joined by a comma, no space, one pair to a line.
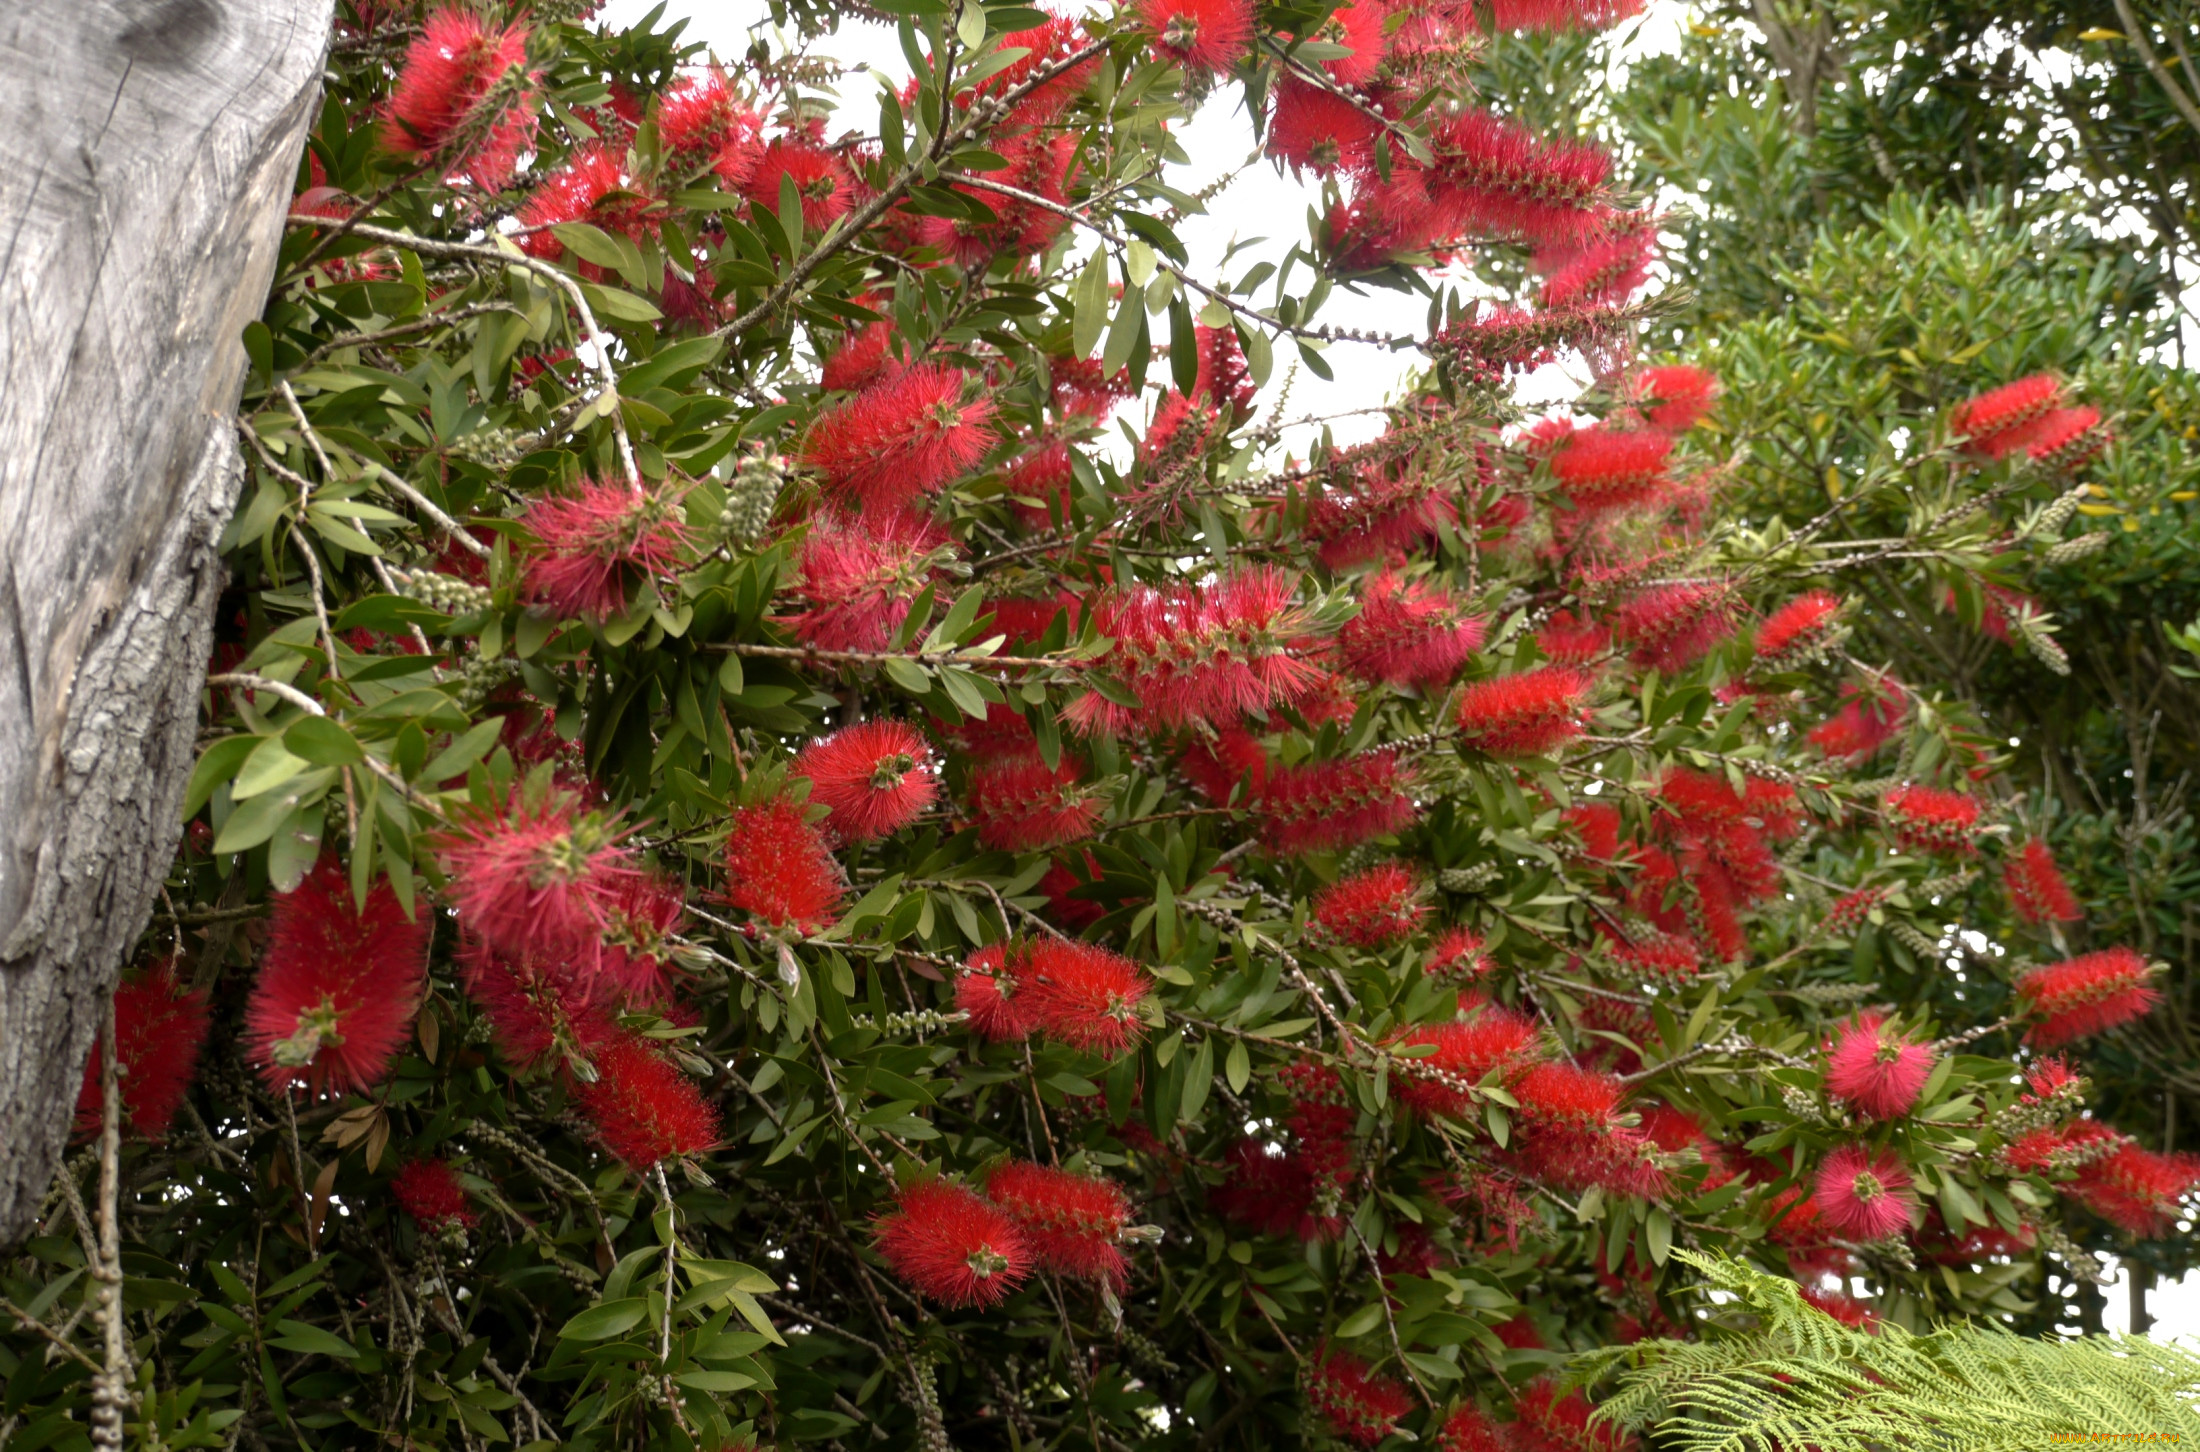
1658,1228
1089,306
908,675
1362,1321
269,766
311,1341
601,1323
321,741
1130,326
619,305
1199,1076
464,752
217,764
260,818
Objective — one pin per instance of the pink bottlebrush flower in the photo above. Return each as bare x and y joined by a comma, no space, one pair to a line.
533,1010
1568,641
702,117
1073,1223
1526,714
1979,420
1604,470
538,880
900,440
1412,634
1311,129
640,915
465,99
875,776
1085,996
1322,805
1465,1053
993,991
1669,627
950,1245
1674,397
1929,819
429,1191
1799,631
1866,721
2036,887
779,867
1372,908
1381,514
1495,177
1361,1406
160,1025
1586,282
1207,655
1233,765
821,179
1200,35
864,358
337,986
2136,1188
597,545
1876,1070
1020,805
1459,957
594,186
2086,995
644,1109
858,576
1862,1194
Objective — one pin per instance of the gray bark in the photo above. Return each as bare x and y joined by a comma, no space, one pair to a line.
147,152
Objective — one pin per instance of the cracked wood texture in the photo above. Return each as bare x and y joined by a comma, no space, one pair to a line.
147,152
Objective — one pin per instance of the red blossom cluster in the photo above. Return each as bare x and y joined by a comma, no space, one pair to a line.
1210,654
337,987
2086,995
1930,819
1372,908
465,100
873,778
597,544
2032,416
160,1026
1361,1405
1081,995
1874,1069
780,867
2036,887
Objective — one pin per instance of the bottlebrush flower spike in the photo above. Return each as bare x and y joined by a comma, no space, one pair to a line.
1800,631
429,1191
859,575
779,867
597,545
1039,485
465,99
1494,177
1317,805
2036,887
2087,995
1530,713
900,440
1929,819
1875,1069
865,357
1599,825
875,776
532,1010
160,1025
594,186
1073,1223
993,991
702,117
1866,722
1605,470
1361,1406
1383,512
1980,420
1085,996
640,913
337,987
1458,958
1233,765
1584,283
2136,1188
1408,634
1670,627
1372,908
1674,397
1210,654
1048,44
1469,1430
1652,953
1311,129
1494,1038
1863,1195
952,1246
1079,389
2062,438
1568,641
538,880
644,1109
821,180
1200,35
1021,806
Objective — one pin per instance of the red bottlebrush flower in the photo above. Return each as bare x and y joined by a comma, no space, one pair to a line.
337,986
1372,908
1493,1039
1656,954
1360,29
1564,1094
1073,1223
429,1191
1413,634
1070,909
1548,1422
901,439
1361,1406
701,116
1866,722
1459,957
1048,44
1563,14
593,186
1527,714
1277,1192
1381,514
1928,819
465,99
2135,1188
1603,470
1978,420
949,1244
2063,438
1799,631
1599,826
1673,1131
160,1025
863,359
875,776
1494,177
1842,1307
1674,397
1021,806
1876,1070
1568,641
1218,769
1469,1430
994,993
2051,1079
779,867
531,1009
644,1109
1026,621
821,179
859,575
1085,996
1862,1194
640,912
1583,284
1201,35
538,880
1080,390
597,544
1205,655
1224,377
1317,805
1039,485
1669,627
2087,995
1311,129
2036,887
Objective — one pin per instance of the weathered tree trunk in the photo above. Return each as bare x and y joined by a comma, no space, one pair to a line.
147,151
